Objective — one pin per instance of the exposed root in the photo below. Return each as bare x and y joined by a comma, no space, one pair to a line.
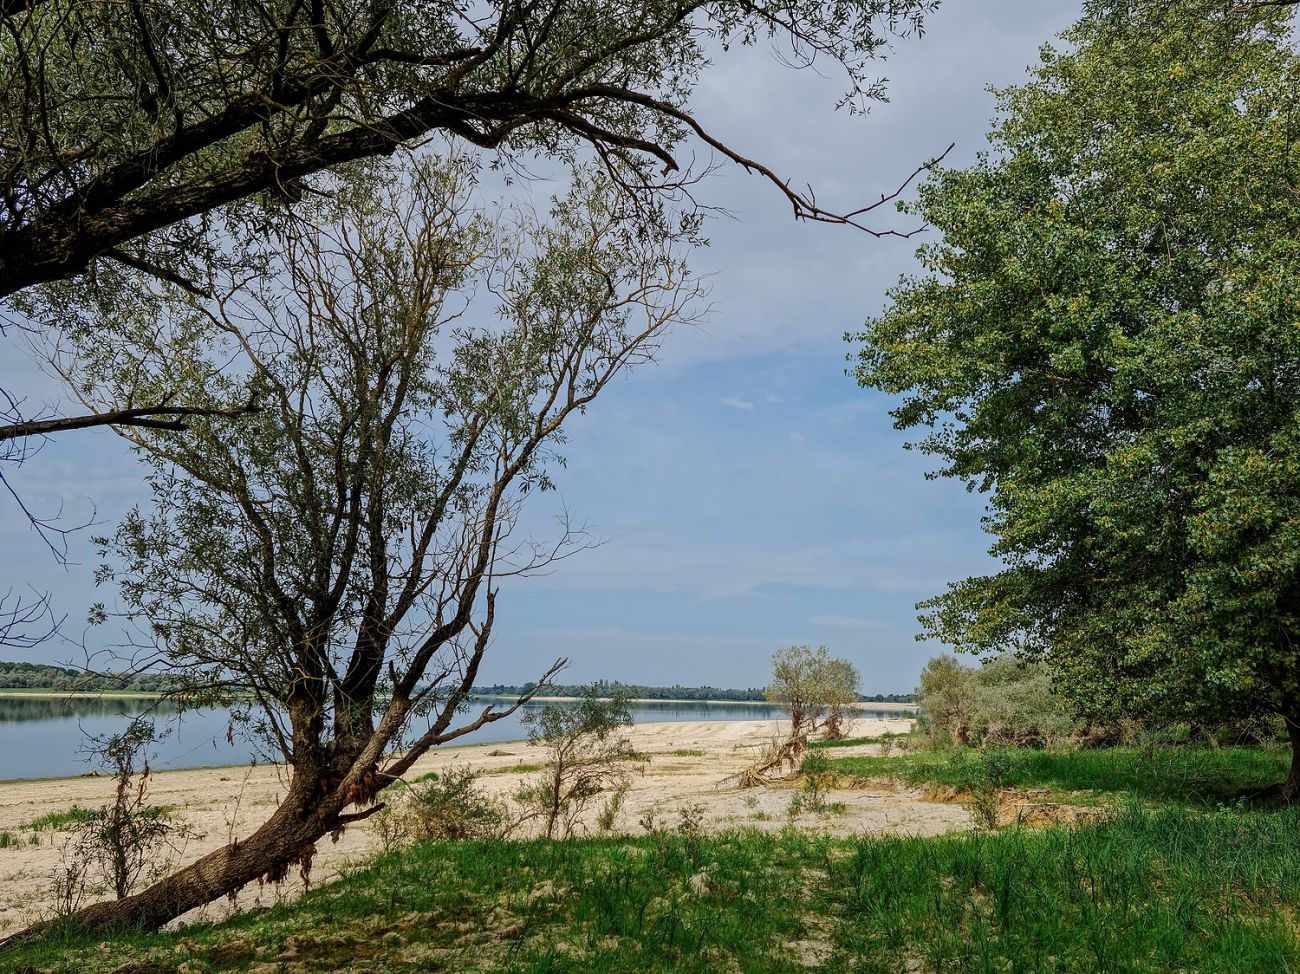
779,759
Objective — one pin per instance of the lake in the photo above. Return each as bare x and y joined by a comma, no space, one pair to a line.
44,737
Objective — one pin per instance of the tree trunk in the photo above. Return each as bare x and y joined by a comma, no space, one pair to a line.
284,839
1291,787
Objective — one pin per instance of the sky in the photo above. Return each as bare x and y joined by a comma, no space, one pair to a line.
747,493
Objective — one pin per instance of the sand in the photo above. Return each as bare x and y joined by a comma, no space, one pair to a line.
221,804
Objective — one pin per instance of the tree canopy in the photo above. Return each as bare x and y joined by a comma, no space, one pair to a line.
1106,342
815,688
122,123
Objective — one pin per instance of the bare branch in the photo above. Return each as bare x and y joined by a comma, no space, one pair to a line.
150,417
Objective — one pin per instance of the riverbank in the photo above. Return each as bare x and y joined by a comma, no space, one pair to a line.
25,693
692,764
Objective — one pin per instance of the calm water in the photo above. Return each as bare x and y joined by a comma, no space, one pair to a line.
45,737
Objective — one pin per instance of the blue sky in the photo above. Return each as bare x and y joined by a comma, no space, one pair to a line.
748,493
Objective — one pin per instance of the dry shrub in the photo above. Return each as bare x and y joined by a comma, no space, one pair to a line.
778,758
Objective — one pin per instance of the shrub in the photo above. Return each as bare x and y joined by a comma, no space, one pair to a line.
122,840
452,806
586,755
1004,702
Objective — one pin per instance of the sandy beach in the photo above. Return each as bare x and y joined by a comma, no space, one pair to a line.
691,764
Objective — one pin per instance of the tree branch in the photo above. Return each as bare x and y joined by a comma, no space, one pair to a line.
151,417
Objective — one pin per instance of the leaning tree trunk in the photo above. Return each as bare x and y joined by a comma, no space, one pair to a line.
286,838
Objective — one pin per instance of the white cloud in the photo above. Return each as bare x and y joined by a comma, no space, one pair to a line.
744,405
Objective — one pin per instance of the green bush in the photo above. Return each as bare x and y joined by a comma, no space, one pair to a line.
1004,701
453,807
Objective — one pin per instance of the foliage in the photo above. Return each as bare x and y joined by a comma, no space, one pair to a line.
632,691
637,691
39,676
1004,701
815,689
585,753
446,807
818,776
1105,341
127,125
1169,890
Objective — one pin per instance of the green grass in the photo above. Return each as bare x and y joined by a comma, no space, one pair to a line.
520,768
57,821
1190,775
1143,891
849,741
686,753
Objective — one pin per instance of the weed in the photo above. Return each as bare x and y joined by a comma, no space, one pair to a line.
608,816
60,821
984,805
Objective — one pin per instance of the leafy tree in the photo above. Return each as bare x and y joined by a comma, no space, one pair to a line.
948,691
815,689
331,566
841,683
1106,343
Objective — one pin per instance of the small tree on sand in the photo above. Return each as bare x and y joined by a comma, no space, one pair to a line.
842,684
814,688
128,837
331,566
585,751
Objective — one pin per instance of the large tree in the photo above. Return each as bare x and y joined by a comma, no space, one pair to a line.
125,126
330,566
1106,342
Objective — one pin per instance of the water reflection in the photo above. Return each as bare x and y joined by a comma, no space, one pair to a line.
17,710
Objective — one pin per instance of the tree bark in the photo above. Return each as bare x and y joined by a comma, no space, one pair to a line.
280,842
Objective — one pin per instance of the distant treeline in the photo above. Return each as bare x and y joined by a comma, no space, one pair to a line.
42,676
638,692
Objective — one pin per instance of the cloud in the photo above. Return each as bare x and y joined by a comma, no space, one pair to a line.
744,405
833,621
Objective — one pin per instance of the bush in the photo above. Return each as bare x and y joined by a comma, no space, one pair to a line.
586,755
1004,702
452,806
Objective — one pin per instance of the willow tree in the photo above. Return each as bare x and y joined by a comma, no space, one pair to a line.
331,565
1106,342
128,129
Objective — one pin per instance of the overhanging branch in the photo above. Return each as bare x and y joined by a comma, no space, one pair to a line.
150,417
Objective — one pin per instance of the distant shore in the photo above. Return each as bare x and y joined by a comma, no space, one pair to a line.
39,693
860,705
